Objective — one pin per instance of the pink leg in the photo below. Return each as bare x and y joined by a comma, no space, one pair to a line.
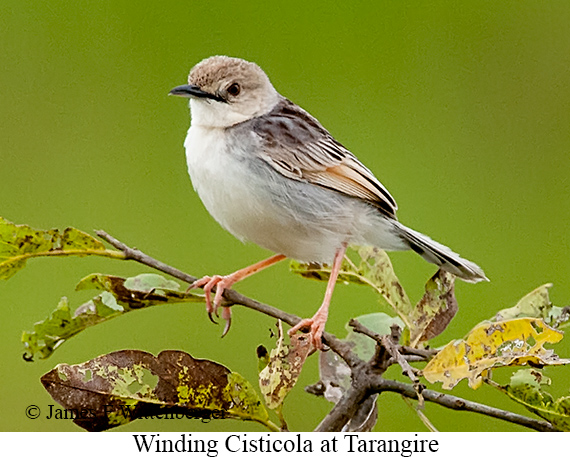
222,283
318,321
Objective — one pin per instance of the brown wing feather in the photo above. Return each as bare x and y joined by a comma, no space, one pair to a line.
300,148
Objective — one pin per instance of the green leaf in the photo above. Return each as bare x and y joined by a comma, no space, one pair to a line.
374,269
117,388
151,282
115,300
526,388
434,311
492,344
18,243
71,238
537,304
362,345
284,367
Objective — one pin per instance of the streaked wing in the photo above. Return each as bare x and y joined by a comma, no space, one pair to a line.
299,147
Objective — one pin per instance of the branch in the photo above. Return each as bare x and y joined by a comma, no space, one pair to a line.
425,354
390,343
460,404
135,254
368,380
365,381
342,411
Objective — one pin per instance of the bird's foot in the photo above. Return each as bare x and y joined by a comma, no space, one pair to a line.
316,326
221,283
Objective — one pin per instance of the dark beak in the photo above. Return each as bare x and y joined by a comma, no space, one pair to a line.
191,90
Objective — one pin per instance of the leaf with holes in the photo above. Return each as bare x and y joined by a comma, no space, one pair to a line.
18,243
527,388
118,388
119,296
283,368
490,345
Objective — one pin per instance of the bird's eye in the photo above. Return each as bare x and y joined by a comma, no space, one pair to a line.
234,89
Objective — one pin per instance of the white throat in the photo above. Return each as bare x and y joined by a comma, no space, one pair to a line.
212,114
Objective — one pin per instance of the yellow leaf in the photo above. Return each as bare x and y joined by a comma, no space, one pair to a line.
490,345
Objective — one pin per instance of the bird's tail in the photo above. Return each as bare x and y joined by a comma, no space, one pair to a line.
441,255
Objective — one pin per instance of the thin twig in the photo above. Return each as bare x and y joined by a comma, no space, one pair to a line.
390,343
426,354
359,390
414,358
420,414
391,347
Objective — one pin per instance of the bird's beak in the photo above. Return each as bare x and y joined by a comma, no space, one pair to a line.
191,90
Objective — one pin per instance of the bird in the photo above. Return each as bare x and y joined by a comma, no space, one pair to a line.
270,173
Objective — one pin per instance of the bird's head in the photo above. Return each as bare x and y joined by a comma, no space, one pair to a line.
225,91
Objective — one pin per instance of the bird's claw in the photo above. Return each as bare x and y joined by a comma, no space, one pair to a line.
227,316
221,283
316,328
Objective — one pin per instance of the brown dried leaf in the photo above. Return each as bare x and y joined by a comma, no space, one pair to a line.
434,311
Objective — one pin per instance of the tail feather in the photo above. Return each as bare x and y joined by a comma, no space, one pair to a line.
441,255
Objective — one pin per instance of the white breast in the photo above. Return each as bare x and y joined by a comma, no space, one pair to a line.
218,175
240,202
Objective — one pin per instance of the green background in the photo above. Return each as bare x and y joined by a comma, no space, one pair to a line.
461,109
